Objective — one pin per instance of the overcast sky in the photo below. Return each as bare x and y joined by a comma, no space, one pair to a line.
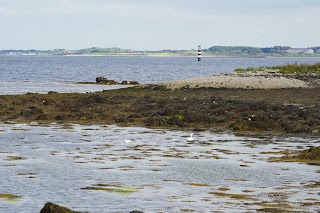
158,24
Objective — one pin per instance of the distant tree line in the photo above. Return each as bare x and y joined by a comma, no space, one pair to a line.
234,50
92,50
96,50
219,50
22,51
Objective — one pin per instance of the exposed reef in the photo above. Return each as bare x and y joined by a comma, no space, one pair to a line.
284,111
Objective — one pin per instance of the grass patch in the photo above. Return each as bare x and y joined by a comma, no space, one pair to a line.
302,69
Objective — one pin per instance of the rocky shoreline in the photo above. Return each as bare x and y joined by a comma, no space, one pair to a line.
156,106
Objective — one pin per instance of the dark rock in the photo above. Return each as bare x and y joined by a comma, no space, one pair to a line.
53,208
52,92
103,80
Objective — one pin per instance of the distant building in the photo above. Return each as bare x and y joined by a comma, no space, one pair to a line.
300,50
318,51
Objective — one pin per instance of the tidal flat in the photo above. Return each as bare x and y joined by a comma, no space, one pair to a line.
107,168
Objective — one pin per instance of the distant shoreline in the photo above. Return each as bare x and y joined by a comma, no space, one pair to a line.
160,55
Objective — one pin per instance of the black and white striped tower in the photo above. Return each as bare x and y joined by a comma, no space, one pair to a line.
199,53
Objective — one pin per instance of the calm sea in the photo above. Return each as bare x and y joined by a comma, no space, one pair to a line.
20,74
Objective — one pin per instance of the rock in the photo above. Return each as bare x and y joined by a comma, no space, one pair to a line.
100,79
103,80
53,208
316,131
129,82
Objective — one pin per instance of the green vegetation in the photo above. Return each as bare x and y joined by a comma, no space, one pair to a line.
234,50
299,69
302,69
97,50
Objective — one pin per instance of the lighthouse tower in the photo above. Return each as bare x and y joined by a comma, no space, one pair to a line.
199,53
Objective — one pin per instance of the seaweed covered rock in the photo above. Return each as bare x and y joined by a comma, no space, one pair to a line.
103,80
312,154
54,208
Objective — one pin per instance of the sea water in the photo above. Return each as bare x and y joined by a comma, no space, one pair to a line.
57,163
41,74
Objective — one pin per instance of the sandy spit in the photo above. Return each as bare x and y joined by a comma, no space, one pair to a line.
238,81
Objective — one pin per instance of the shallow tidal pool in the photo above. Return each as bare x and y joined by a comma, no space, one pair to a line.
115,169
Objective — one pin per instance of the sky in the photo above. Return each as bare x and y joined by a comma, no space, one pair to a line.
158,24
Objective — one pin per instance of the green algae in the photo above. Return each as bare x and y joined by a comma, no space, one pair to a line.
10,197
122,190
198,184
233,196
14,158
223,189
281,207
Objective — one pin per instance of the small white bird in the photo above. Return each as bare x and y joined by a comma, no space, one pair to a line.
190,138
128,141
